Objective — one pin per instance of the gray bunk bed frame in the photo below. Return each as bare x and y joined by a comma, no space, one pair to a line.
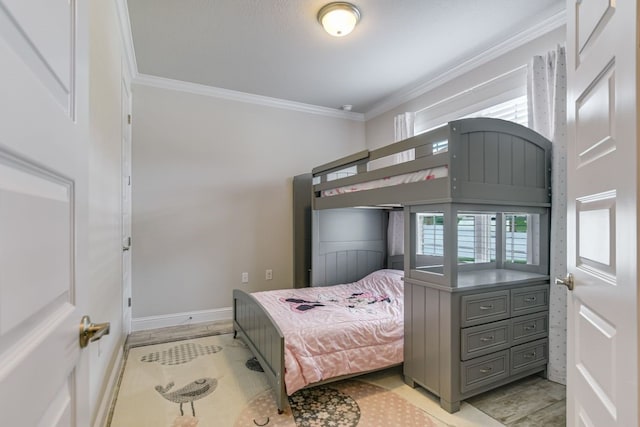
487,164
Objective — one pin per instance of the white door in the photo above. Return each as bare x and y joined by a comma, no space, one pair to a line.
126,209
43,212
602,188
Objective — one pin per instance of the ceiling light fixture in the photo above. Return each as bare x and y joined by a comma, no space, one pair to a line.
338,18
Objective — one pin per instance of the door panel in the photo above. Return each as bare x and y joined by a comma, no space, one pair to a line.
36,216
596,238
591,16
602,201
45,41
59,412
595,110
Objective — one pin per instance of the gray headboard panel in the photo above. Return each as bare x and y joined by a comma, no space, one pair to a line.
346,266
347,244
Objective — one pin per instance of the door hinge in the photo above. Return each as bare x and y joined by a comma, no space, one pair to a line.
129,180
128,246
129,302
129,118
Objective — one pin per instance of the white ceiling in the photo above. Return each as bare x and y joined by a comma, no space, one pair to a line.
276,48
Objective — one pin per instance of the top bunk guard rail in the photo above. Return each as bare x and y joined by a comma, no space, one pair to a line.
488,161
358,158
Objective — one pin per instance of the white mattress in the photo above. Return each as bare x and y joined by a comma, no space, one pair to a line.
407,178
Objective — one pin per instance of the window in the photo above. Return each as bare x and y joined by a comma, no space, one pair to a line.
503,97
476,238
513,110
521,232
429,228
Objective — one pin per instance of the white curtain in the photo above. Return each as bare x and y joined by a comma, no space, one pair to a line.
403,129
547,97
403,124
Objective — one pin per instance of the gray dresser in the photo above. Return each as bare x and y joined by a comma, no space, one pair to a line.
462,342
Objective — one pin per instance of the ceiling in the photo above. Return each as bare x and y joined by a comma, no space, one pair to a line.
277,49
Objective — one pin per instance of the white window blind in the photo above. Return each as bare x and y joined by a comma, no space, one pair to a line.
514,110
504,96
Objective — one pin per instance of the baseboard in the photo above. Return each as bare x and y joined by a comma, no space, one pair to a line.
179,319
111,391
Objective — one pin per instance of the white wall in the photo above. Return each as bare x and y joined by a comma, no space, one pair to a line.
379,132
212,195
104,255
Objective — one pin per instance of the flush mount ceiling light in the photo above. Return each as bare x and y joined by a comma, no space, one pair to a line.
338,18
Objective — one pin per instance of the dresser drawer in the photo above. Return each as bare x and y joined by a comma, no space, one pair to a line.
529,355
529,300
484,339
484,308
484,370
529,327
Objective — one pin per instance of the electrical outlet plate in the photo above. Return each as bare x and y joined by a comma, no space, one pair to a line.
268,275
245,277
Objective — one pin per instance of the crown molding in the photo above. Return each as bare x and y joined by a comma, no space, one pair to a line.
232,95
532,33
132,75
130,64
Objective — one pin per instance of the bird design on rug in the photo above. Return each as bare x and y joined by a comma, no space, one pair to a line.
193,391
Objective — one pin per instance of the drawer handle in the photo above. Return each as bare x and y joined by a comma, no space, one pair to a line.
486,370
485,339
530,299
486,307
529,355
530,327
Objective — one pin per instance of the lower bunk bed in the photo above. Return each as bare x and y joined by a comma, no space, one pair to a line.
311,336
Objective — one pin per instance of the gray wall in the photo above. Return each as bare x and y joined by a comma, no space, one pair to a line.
212,195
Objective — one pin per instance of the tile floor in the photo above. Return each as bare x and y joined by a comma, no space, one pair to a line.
530,402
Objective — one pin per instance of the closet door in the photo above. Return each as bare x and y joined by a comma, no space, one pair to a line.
602,56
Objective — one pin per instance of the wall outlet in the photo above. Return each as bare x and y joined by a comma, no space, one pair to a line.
245,277
268,274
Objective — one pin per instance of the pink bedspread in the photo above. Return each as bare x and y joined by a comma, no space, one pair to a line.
338,330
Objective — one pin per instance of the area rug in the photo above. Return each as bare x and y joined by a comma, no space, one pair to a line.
216,381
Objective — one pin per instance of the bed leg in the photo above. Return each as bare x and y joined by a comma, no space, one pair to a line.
235,334
280,411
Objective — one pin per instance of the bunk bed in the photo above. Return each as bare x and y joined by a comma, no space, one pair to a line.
471,323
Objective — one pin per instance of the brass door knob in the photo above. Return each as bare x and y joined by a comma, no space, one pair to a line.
90,332
567,281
